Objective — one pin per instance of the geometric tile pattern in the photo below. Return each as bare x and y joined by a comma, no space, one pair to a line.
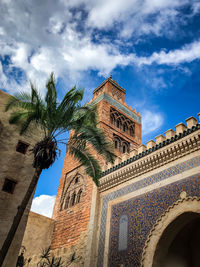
142,213
165,174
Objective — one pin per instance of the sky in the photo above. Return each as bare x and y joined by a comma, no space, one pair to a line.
151,48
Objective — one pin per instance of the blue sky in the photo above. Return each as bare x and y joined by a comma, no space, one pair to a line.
151,48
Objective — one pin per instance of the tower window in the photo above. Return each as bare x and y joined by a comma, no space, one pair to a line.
73,191
79,196
125,128
116,144
9,186
22,147
112,119
124,148
131,131
119,123
73,199
67,202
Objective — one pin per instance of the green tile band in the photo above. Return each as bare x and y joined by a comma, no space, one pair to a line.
118,106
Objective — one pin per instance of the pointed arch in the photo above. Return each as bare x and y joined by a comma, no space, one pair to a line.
131,130
67,202
73,199
180,207
78,199
125,147
117,143
74,185
119,123
125,127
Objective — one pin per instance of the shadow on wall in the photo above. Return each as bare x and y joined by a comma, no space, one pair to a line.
179,245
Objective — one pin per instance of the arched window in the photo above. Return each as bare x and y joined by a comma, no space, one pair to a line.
131,131
124,148
119,123
123,233
72,193
67,202
78,199
73,199
117,143
125,127
112,119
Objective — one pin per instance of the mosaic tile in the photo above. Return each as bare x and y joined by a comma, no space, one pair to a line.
142,213
165,174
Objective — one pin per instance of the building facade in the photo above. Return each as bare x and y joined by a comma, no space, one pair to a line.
15,175
146,209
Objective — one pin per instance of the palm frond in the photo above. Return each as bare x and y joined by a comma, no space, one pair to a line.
96,137
17,117
51,95
18,102
54,119
45,253
73,96
92,167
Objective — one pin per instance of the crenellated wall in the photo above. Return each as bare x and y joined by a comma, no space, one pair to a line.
142,188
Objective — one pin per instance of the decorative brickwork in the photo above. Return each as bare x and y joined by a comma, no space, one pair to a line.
74,200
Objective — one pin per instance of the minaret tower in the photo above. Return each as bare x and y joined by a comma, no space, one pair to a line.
75,196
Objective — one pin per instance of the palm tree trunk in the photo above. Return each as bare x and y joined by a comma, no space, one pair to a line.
18,216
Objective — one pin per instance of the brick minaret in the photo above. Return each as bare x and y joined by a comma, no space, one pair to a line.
122,126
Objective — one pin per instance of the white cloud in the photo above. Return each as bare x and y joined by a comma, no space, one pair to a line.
187,53
52,36
151,121
134,15
43,205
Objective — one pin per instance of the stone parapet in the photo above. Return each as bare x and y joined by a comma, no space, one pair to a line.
169,133
180,128
191,121
160,138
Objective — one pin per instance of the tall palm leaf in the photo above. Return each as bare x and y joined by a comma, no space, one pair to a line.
53,119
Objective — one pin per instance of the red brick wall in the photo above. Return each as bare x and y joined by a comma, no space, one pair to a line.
71,222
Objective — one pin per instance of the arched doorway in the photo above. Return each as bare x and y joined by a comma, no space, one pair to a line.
179,245
180,219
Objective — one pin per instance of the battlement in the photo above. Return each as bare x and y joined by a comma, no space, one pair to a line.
161,141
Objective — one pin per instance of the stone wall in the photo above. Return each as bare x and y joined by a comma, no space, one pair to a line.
16,167
37,236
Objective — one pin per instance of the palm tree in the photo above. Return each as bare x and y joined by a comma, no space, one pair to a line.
53,119
47,260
